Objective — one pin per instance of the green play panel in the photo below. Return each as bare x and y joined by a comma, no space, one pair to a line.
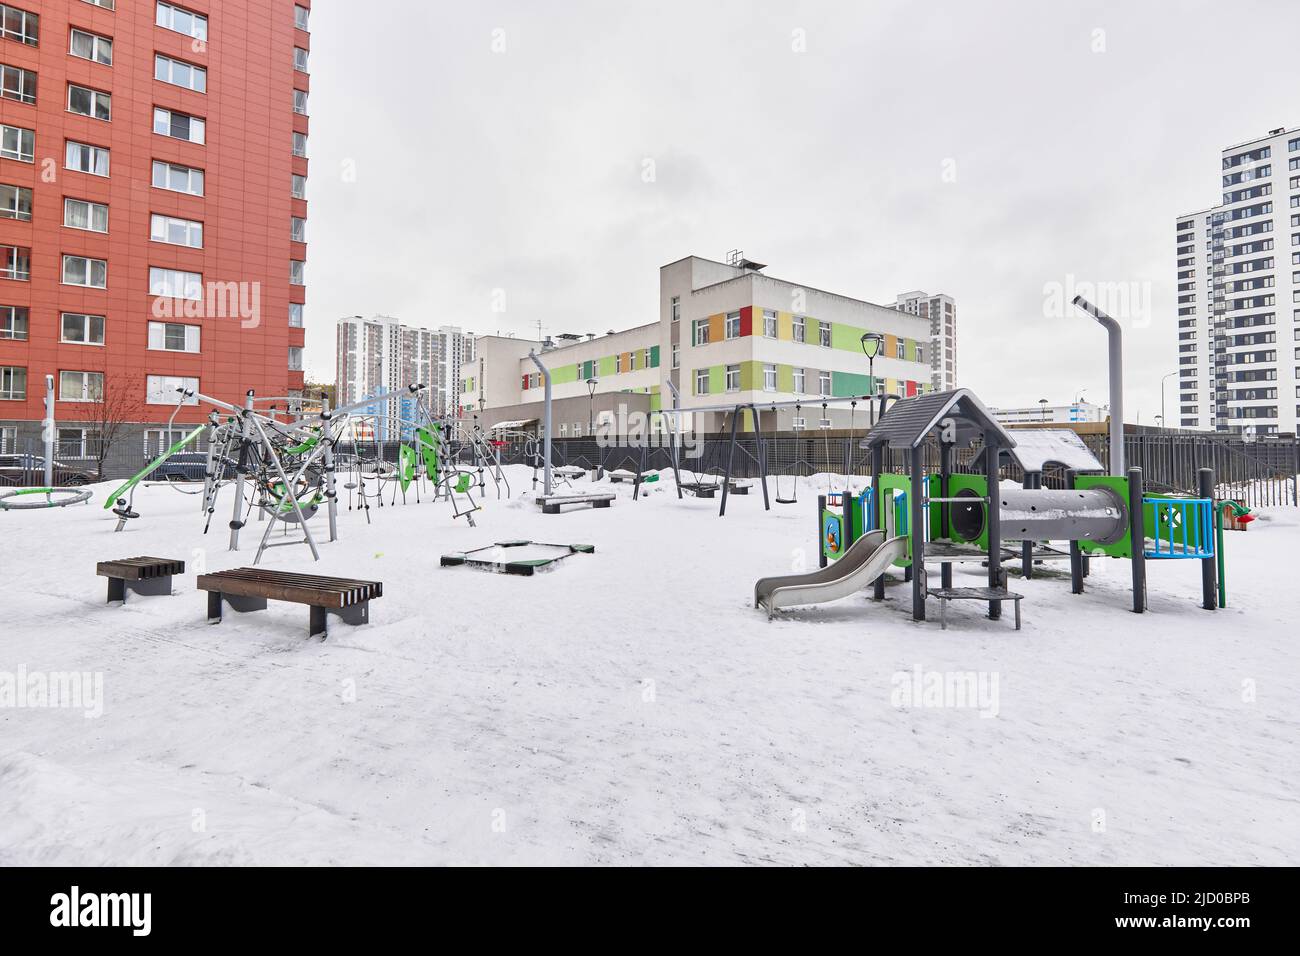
516,557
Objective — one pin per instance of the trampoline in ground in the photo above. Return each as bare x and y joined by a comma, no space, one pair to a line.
515,557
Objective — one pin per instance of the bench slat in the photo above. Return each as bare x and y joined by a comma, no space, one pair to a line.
314,590
139,568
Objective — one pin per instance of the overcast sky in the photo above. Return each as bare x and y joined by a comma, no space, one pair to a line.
978,149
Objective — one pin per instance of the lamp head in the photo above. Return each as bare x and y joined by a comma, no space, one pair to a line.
871,344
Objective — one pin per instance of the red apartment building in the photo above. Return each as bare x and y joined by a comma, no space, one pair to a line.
152,213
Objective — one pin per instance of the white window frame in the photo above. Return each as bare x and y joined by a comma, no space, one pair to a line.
770,324
299,150
86,326
701,375
675,308
97,44
166,15
192,336
10,319
95,153
190,175
823,334
799,329
16,206
300,59
297,229
161,230
295,358
294,191
197,124
15,275
90,208
700,332
90,262
86,393
161,389
769,378
295,315
800,381
25,150
300,102
95,101
175,284
25,86
900,349
824,383
297,272
29,28
732,374
9,373
301,16
730,323
166,69
677,355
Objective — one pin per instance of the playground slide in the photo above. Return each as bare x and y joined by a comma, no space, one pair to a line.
866,559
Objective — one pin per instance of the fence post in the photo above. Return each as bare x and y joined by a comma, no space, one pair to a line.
1209,597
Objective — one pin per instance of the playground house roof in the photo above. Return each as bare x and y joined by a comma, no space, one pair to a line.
511,426
1038,447
908,421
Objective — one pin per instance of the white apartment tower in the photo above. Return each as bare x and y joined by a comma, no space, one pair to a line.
381,355
1238,279
455,352
941,312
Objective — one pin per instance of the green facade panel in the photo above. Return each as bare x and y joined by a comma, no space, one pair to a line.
654,356
717,379
843,336
608,365
850,383
785,378
564,374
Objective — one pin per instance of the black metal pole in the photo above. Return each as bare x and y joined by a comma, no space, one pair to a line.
1076,553
946,451
731,457
761,445
877,513
918,536
1209,571
1032,479
1138,536
821,545
994,517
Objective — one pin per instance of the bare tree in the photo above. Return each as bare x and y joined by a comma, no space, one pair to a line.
111,417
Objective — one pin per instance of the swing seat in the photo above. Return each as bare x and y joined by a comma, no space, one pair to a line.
786,501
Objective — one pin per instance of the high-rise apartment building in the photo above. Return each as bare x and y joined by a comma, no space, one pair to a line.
455,351
941,311
1238,281
152,207
381,355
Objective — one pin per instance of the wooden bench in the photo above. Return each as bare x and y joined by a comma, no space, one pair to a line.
143,575
248,589
551,504
700,489
973,594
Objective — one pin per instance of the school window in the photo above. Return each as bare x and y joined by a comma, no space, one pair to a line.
87,102
16,203
799,381
91,46
769,378
176,232
824,334
733,325
174,284
79,329
15,263
13,383
899,350
618,364
300,102
171,17
295,358
178,179
676,308
179,125
300,59
163,389
106,4
85,158
71,442
19,25
17,143
677,355
13,322
700,332
824,383
298,187
799,329
81,386
733,378
174,337
8,439
297,229
920,352
86,272
158,440
701,381
299,144
180,73
17,84
301,15
296,270
83,214
646,357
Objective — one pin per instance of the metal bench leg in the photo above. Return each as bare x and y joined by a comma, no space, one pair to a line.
160,585
317,625
943,614
353,614
214,607
116,590
1017,615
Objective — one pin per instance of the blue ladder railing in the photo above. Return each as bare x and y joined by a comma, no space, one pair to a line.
1183,528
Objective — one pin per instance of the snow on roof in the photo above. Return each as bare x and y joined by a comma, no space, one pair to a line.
510,426
1038,447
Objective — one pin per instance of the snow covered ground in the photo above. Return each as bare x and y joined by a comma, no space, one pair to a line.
632,707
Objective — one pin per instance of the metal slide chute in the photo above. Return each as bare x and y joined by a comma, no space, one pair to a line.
864,561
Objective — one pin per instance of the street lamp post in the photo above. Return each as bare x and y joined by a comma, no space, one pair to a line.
1042,403
872,342
591,405
1163,419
